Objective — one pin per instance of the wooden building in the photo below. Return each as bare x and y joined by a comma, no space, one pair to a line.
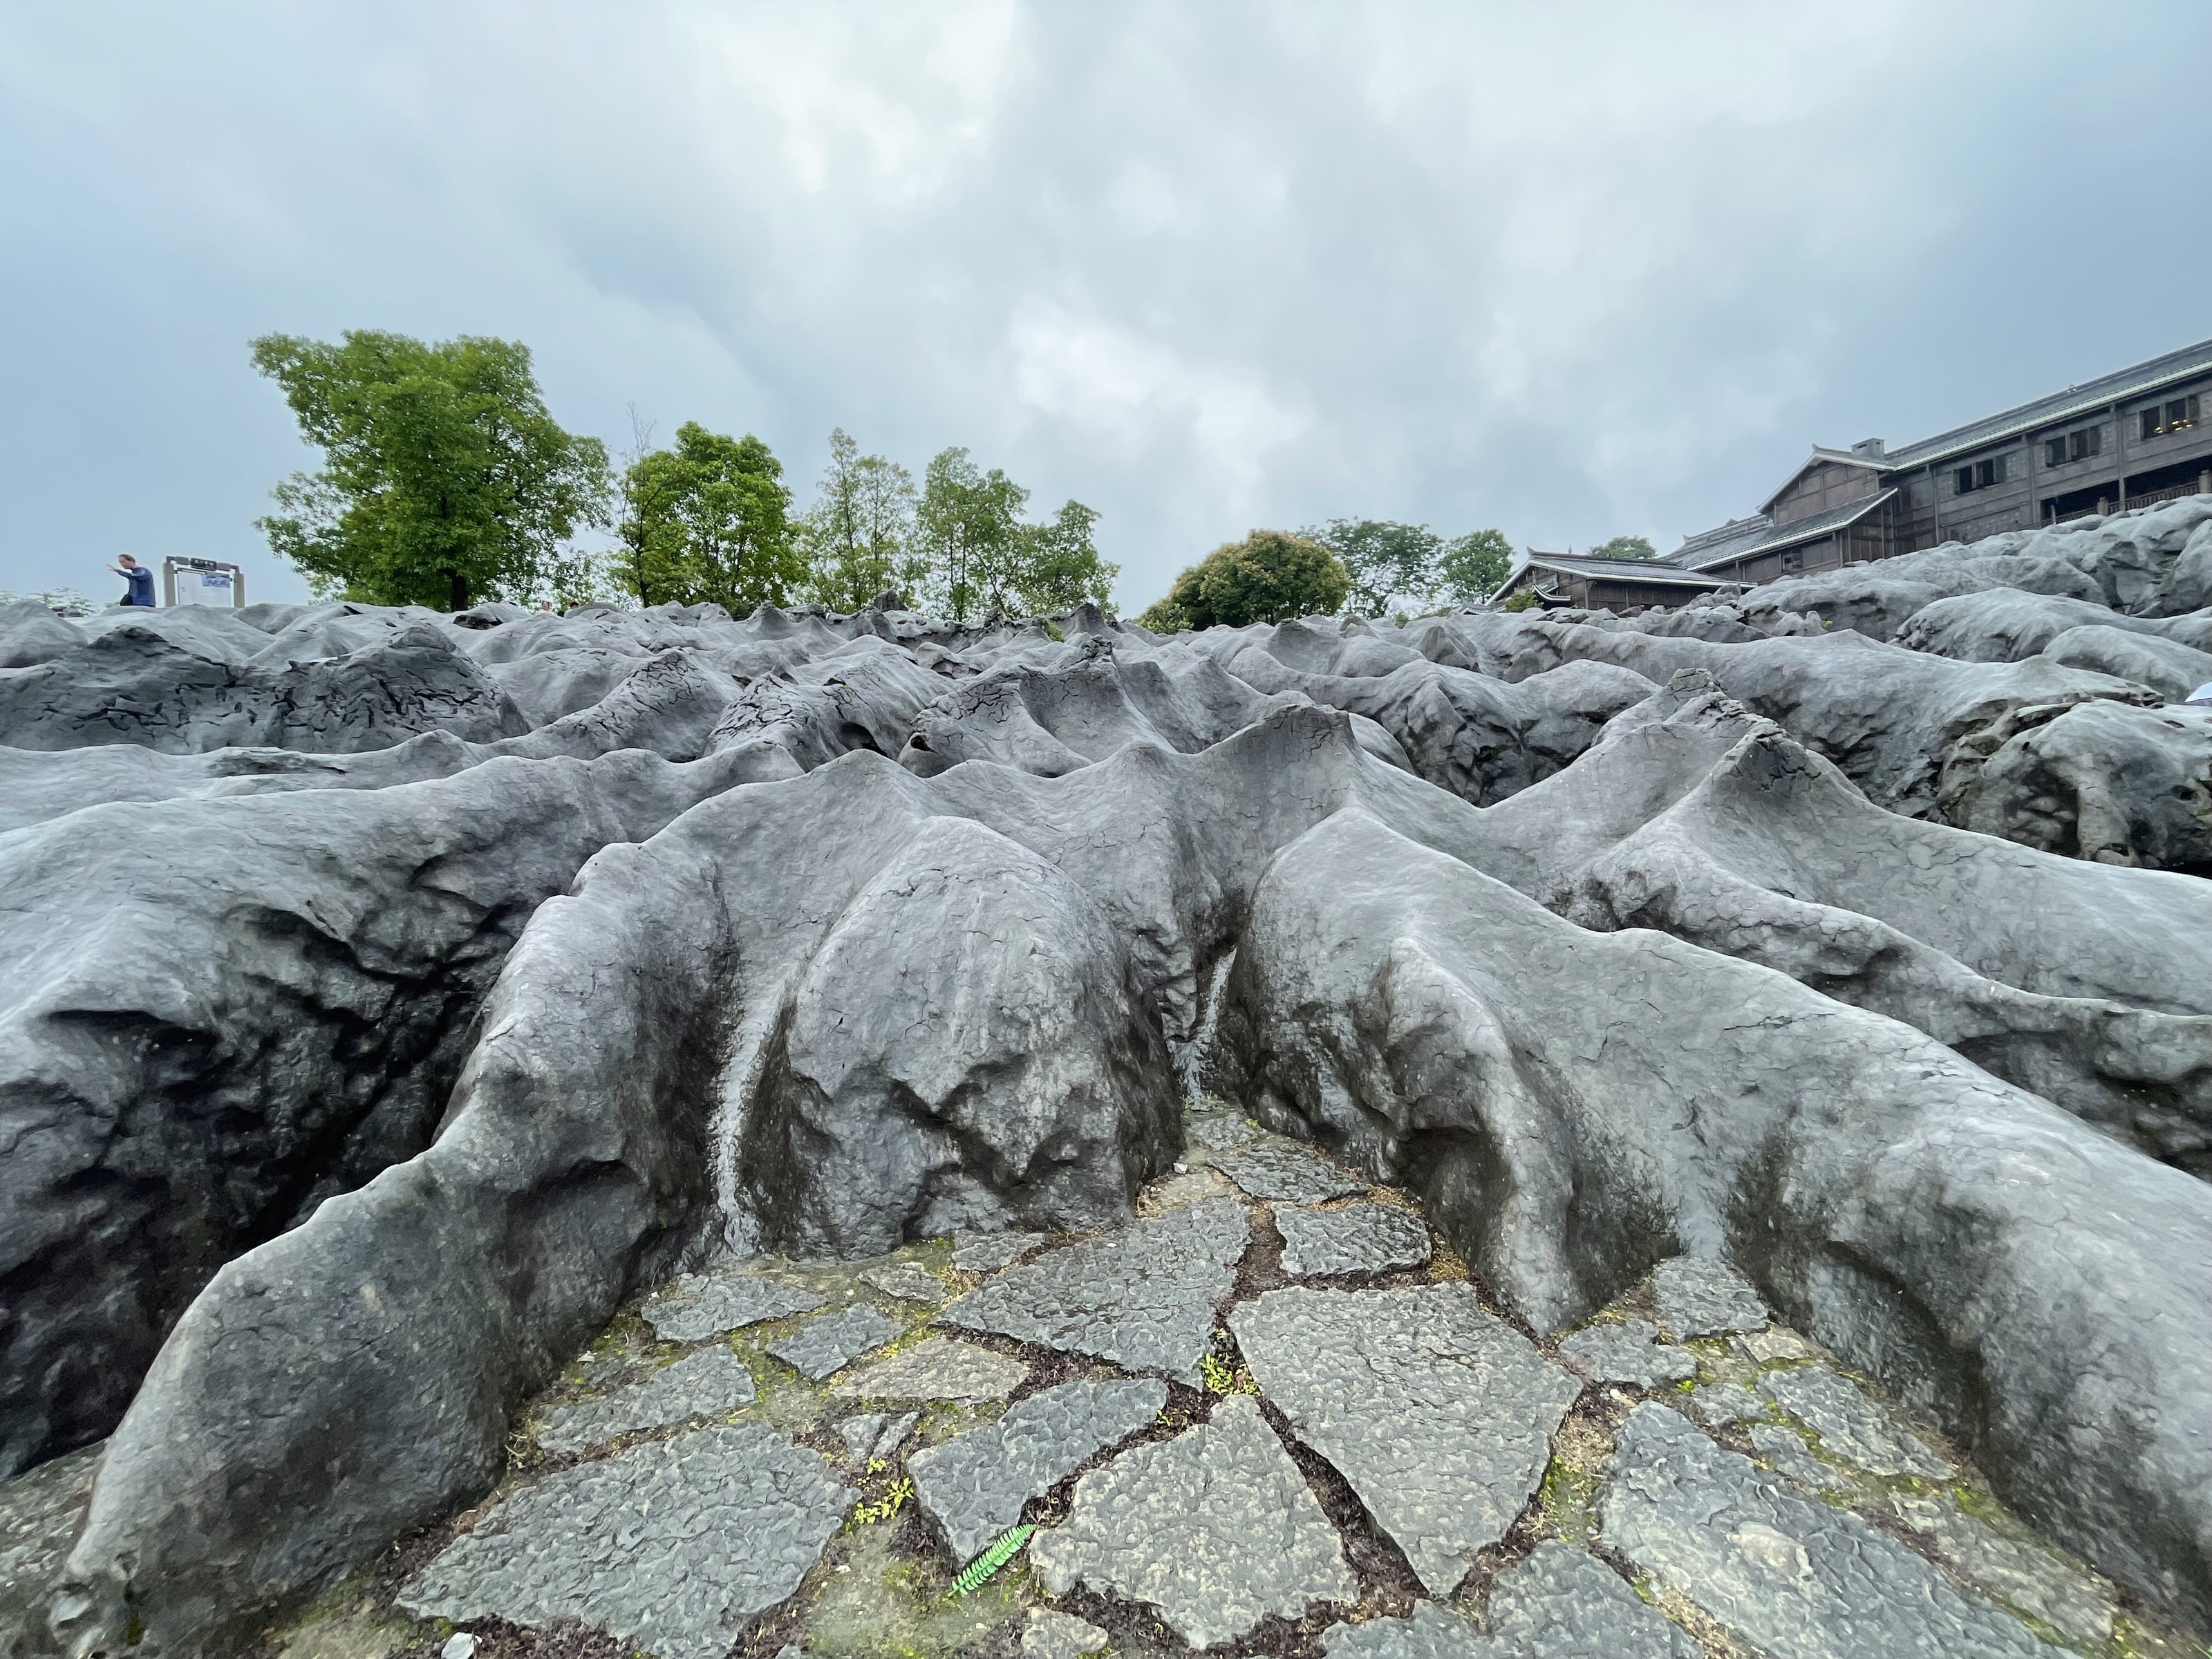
2130,439
1569,580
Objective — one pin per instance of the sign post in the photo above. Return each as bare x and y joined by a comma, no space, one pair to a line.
203,581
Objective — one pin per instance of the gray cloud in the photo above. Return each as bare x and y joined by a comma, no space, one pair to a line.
1571,271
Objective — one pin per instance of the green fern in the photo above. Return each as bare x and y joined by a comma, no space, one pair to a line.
978,1572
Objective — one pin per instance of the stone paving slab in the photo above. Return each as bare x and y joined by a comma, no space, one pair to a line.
1629,1351
972,1488
909,1281
712,1379
1719,1404
939,1368
1359,1238
1789,1574
876,1434
696,1307
1439,1415
1427,1632
1215,1528
1283,1172
1141,1297
985,1253
2035,1580
1050,1635
832,1342
674,1545
1565,1603
1782,1447
1699,1296
1850,1425
1221,1131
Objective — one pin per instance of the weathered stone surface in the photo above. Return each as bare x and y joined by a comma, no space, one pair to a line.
1628,1350
1439,1415
876,1434
697,1308
712,1379
1564,1603
1049,1635
1215,1528
1285,1174
971,1488
1427,1632
1788,1573
1784,1448
1224,1131
1359,1238
1142,1297
936,1369
2029,1578
674,1545
833,1341
1851,1427
1717,1404
39,1516
909,1281
1699,1296
985,1253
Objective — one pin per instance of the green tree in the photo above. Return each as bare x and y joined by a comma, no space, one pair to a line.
1059,566
857,534
1475,565
968,536
1625,547
708,522
1385,560
444,479
1269,575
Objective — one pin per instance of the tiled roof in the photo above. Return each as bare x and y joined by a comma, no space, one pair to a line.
1703,552
1639,570
2082,399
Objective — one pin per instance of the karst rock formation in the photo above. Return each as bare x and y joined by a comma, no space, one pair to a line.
393,1000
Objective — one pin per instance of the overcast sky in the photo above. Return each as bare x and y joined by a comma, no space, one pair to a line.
1571,270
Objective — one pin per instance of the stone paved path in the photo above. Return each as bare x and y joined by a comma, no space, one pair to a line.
1745,1505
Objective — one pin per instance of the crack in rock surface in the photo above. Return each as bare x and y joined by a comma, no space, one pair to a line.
1439,1414
830,1343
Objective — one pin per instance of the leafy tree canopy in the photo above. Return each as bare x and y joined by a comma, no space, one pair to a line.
975,556
1060,567
1475,565
1384,559
1625,547
859,535
708,522
445,480
1269,575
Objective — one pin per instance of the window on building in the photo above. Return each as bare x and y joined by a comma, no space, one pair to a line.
2178,415
1965,481
1793,559
2085,443
2151,427
2054,451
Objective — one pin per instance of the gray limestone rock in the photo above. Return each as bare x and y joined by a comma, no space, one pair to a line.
39,1513
909,1281
1785,1449
1851,1427
674,1545
1049,1635
971,1488
1141,1298
712,1379
697,1307
1359,1238
1223,1132
1439,1415
870,1435
1215,1528
1628,1350
1718,1405
1564,1603
1427,1632
1789,1574
938,1368
2019,1572
985,1253
1701,1296
1283,1173
835,1340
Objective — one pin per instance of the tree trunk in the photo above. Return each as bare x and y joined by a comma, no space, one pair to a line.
460,590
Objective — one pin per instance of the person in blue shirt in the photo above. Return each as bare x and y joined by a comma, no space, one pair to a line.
140,578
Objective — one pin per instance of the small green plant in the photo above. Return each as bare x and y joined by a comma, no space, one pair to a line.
1221,1377
881,1508
1524,600
979,1571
